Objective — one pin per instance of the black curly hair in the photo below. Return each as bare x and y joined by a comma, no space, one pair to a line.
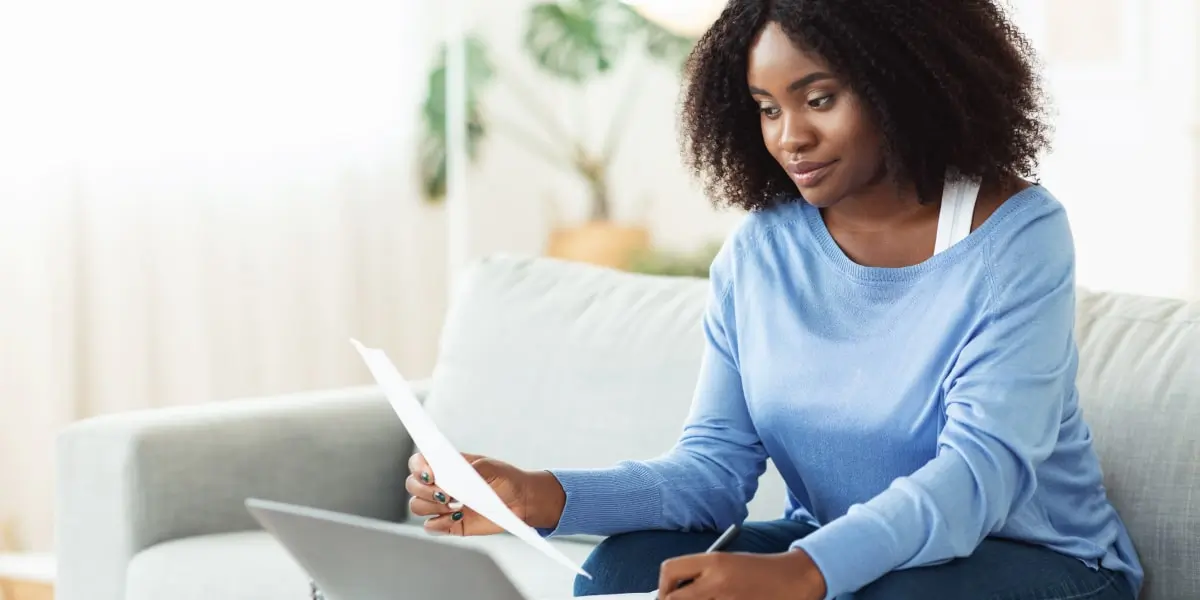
951,84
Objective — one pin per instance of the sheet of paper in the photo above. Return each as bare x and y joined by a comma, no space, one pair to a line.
451,471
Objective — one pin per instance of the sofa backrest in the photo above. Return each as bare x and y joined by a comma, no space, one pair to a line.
546,363
1139,386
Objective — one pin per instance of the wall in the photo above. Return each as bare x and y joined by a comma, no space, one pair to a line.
1123,77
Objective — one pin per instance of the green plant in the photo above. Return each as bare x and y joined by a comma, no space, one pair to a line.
433,113
677,264
575,41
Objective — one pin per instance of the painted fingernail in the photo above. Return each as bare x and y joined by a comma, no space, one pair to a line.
455,505
456,516
440,497
425,476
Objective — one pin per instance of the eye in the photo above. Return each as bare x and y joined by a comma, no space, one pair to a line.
769,112
820,101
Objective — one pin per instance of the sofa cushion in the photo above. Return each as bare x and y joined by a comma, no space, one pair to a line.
546,363
1139,384
230,566
253,566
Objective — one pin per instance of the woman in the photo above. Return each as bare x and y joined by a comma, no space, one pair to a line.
891,325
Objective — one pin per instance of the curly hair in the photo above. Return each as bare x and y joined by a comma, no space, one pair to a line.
951,85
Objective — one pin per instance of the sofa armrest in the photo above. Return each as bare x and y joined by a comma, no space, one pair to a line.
128,481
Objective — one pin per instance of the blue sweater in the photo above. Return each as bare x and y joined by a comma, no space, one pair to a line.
911,411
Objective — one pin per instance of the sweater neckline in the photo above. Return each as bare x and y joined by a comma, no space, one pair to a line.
837,257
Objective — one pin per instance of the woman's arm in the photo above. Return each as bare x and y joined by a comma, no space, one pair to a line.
1003,410
707,479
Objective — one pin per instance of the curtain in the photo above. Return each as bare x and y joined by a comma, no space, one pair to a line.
202,200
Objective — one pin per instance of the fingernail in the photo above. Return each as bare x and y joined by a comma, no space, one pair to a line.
440,497
425,476
455,505
456,516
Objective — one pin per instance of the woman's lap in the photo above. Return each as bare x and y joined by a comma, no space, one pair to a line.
1003,570
998,569
629,562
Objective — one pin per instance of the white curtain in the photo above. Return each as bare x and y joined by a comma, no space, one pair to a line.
201,200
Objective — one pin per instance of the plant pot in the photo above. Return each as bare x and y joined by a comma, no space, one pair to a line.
599,242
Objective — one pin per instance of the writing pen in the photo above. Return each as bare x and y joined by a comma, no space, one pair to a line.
717,546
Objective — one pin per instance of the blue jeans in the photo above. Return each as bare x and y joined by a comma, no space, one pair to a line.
997,570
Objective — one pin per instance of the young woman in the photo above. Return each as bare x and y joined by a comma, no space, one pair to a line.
891,325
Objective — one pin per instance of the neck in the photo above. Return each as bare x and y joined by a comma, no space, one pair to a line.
880,205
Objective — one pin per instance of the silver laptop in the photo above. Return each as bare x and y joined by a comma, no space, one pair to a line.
356,558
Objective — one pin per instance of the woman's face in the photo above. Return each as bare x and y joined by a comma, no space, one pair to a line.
812,123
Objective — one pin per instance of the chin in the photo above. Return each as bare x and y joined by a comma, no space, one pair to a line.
818,197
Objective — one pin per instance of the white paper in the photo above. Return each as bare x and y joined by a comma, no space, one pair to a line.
452,472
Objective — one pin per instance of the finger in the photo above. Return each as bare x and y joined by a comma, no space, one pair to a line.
485,467
678,570
420,468
432,493
424,508
703,588
705,585
454,523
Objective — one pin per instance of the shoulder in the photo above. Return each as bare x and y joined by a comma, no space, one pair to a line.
1031,221
1031,245
746,240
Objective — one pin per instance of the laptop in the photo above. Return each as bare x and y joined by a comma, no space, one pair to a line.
357,558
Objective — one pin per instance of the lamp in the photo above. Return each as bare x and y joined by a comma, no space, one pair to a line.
688,18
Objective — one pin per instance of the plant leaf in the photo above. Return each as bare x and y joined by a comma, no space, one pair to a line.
660,44
433,144
574,39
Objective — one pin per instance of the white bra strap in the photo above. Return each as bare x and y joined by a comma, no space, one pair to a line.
958,209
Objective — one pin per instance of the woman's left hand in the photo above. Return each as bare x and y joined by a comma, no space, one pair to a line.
736,576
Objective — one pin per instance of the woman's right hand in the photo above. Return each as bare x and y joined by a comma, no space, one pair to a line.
535,497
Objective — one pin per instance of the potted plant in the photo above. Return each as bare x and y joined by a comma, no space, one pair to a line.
576,42
693,263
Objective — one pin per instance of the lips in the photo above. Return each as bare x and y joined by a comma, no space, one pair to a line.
806,172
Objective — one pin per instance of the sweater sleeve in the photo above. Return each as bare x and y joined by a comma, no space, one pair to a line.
1003,405
706,480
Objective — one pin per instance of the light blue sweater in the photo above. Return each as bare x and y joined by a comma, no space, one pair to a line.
911,411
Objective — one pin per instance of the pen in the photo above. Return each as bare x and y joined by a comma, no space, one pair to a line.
717,546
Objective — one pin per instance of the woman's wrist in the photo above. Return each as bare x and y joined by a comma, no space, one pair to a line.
546,500
811,575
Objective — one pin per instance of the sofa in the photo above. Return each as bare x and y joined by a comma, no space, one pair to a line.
544,363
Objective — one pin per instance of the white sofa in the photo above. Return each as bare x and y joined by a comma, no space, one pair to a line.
544,363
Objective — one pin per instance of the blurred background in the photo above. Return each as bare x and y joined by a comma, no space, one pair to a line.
201,201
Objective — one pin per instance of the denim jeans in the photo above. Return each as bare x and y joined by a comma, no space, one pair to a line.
997,570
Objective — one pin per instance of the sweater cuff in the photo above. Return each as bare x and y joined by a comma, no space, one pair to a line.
606,501
851,551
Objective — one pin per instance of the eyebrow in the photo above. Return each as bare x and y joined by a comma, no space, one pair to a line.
805,81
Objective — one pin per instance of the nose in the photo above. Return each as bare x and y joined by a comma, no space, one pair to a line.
796,134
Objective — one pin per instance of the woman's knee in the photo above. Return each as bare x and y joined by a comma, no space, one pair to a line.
999,569
629,563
